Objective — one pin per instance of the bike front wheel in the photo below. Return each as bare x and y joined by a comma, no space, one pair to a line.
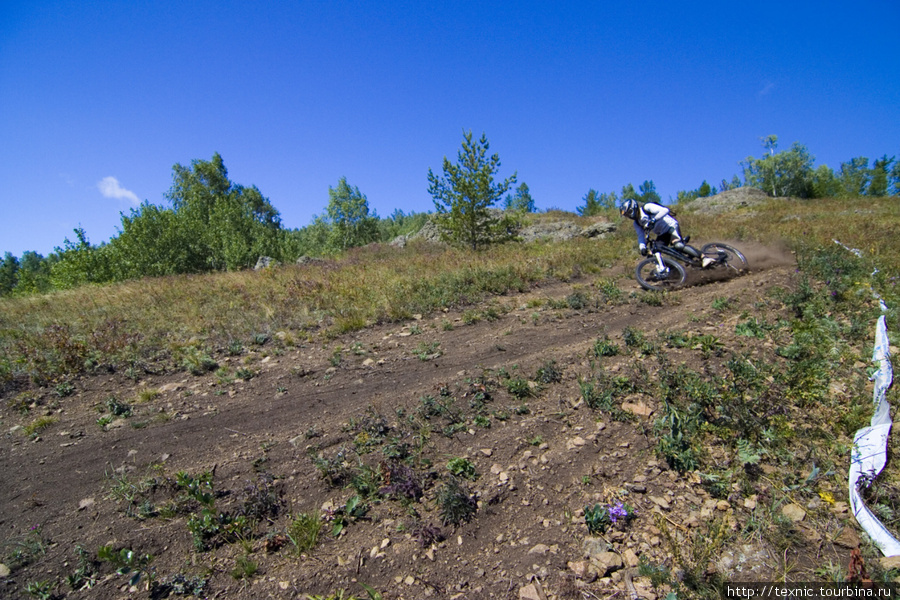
725,256
649,276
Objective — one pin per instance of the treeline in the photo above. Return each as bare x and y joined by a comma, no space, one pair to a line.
787,173
211,224
214,224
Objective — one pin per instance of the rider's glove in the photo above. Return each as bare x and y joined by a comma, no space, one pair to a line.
643,249
651,223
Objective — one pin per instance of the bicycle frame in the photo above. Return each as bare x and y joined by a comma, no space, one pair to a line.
657,249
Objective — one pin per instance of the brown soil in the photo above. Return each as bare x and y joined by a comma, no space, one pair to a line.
537,471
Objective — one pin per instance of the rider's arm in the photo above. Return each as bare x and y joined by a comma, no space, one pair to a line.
656,211
642,237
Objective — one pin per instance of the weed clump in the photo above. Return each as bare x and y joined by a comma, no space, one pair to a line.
455,503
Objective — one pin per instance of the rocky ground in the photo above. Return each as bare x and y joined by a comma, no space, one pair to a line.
304,428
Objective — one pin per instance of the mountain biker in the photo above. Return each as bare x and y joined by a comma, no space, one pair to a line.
657,219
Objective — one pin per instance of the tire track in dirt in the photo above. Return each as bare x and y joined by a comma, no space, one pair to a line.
44,482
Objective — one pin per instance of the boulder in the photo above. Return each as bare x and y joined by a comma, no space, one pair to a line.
264,262
598,229
556,231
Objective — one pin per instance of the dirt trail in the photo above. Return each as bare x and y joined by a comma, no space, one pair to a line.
62,480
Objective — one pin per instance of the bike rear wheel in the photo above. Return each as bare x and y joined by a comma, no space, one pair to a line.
649,277
725,256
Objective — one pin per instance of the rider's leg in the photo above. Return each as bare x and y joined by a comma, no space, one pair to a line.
678,244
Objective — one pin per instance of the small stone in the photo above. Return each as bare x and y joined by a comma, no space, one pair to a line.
487,451
637,408
750,503
582,570
723,505
540,549
574,443
529,592
847,538
409,580
631,559
368,362
4,570
385,543
85,503
284,584
606,563
660,502
793,512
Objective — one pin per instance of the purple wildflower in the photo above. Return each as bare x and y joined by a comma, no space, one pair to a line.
617,512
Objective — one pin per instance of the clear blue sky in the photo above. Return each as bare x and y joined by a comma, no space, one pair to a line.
98,100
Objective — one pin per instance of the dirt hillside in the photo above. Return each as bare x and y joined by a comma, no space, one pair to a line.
401,404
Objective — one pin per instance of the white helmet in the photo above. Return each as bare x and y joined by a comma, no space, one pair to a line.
630,209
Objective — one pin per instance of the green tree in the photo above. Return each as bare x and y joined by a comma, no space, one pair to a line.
79,263
224,225
400,223
34,274
591,204
824,184
854,177
521,201
734,184
894,183
781,173
595,203
648,192
879,181
348,215
629,193
311,240
464,195
153,242
9,274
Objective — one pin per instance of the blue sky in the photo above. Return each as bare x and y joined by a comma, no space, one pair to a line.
98,100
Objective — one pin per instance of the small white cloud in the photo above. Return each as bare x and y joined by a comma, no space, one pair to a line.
766,89
111,188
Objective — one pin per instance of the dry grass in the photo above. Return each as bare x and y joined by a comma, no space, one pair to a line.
154,320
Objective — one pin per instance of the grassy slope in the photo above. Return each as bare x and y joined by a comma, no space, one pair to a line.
176,322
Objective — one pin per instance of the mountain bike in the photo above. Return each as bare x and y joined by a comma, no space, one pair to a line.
662,269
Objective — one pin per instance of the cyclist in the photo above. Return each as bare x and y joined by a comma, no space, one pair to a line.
657,219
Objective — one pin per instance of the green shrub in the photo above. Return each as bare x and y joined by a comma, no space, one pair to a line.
455,503
303,531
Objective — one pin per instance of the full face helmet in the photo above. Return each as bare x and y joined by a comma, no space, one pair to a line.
629,209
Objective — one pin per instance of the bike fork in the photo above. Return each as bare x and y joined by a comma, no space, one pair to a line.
660,265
